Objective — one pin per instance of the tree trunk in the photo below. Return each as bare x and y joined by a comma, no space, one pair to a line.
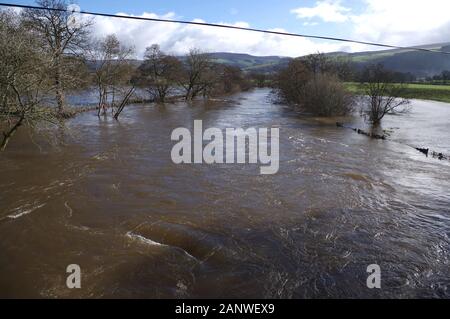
7,136
124,102
60,98
189,93
113,101
102,102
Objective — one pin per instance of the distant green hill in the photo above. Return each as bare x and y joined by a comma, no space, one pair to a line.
249,63
421,64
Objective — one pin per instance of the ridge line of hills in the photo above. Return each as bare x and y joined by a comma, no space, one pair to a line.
418,63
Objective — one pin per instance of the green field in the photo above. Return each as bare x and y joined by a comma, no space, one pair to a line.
415,91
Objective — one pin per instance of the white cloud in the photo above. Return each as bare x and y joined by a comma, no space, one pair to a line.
396,22
326,10
403,22
178,39
399,22
310,24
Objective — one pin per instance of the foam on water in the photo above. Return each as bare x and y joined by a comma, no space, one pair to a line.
150,242
25,212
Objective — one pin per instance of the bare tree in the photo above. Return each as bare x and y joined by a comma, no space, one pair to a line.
197,76
445,75
384,96
291,82
232,79
23,79
159,73
112,71
318,63
61,38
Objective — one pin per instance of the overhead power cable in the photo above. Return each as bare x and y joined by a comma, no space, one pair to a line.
205,24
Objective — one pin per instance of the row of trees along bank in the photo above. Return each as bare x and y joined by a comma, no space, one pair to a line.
43,53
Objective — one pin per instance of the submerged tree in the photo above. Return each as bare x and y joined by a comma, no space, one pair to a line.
291,81
384,96
313,85
23,79
325,95
112,71
233,80
159,74
198,75
63,39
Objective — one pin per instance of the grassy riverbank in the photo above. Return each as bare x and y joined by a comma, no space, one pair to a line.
439,93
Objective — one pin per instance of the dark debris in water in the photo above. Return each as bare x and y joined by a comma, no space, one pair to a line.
425,151
439,156
362,132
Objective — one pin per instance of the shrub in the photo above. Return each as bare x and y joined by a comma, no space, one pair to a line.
325,95
316,92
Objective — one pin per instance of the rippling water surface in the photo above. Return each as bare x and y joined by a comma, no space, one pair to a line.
111,200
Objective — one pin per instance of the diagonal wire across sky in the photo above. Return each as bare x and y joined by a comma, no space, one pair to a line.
213,25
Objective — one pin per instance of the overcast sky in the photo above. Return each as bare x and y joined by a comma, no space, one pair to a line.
397,22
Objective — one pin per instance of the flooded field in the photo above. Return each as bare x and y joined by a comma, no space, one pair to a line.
111,200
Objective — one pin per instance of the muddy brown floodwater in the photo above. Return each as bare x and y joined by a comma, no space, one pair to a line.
111,200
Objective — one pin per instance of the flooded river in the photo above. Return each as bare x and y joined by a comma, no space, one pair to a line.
111,200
